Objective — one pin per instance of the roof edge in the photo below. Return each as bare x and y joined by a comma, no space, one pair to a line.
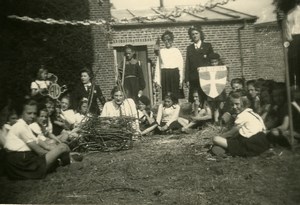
252,16
216,21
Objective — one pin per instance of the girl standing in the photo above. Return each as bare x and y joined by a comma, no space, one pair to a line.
169,70
131,74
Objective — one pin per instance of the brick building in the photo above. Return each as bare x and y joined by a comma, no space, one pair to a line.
231,33
269,51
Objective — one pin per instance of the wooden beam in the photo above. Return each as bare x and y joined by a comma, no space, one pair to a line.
222,13
197,16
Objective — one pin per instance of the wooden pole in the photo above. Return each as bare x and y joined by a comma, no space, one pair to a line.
285,46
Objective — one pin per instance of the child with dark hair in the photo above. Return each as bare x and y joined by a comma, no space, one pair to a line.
145,114
89,90
218,102
200,114
168,113
237,84
247,137
253,88
131,74
11,119
265,98
279,115
169,68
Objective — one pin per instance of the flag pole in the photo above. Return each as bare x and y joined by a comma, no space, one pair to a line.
285,47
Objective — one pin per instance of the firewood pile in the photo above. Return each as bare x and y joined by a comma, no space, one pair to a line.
104,134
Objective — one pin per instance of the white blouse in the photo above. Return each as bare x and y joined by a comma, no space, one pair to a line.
170,58
167,115
19,135
250,123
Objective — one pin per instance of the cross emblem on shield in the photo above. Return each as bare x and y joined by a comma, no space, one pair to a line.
212,80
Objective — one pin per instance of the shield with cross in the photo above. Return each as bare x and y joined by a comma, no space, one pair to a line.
212,80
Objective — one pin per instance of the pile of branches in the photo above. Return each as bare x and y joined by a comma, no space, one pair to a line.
105,134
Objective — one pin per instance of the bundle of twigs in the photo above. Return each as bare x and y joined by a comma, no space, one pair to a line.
105,134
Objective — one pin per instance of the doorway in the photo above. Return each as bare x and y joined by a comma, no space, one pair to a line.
142,56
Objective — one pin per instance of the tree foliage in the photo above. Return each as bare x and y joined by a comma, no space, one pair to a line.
25,46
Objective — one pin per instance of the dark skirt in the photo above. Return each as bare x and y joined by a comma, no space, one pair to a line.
131,86
170,82
247,147
25,165
173,126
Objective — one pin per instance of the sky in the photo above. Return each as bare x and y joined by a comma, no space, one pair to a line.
261,8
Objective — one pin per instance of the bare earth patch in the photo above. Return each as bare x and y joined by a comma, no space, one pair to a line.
173,169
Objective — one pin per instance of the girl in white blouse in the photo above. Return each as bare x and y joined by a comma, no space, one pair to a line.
169,68
167,115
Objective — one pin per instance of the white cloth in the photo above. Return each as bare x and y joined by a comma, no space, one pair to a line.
19,135
3,133
127,108
36,129
88,85
80,118
250,123
167,115
169,58
40,84
69,116
198,44
292,22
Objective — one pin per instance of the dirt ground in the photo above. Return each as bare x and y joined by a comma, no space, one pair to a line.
173,169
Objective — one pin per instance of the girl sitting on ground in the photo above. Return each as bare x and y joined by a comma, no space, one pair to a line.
42,131
279,130
12,118
253,95
167,116
121,106
146,118
247,137
82,113
25,158
200,114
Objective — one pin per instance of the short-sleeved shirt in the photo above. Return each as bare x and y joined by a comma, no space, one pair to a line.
19,135
250,122
36,129
40,84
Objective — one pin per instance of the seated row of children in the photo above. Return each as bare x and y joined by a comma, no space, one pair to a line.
39,133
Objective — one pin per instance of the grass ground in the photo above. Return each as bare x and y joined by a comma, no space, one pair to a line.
173,169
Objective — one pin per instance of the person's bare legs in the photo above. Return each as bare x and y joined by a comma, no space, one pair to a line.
220,141
149,129
53,154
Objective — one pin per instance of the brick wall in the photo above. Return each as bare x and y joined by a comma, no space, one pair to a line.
223,37
260,45
103,55
269,51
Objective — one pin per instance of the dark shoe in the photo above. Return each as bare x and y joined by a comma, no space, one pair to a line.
64,159
76,157
218,151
